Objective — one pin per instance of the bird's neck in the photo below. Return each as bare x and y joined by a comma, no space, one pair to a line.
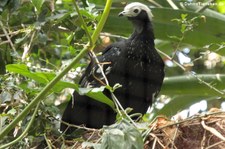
143,31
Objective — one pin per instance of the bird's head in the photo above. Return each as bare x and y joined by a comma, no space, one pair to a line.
137,10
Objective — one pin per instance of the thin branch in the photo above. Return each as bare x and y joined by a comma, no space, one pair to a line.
99,66
192,73
4,42
83,23
213,131
8,38
75,126
170,58
203,140
158,140
49,145
11,33
215,144
175,135
111,35
27,47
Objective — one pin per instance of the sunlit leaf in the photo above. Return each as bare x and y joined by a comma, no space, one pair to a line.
221,5
97,94
40,77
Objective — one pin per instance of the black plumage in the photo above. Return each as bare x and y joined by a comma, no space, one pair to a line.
134,63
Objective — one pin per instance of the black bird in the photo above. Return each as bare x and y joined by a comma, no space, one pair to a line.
134,63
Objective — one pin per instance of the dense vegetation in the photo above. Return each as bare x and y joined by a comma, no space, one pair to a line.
44,46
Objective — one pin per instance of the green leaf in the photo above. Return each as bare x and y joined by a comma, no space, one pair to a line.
40,77
121,136
91,145
184,16
221,6
38,4
183,28
12,112
23,70
97,94
44,78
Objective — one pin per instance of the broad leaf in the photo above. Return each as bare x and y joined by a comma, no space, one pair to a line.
40,77
97,94
122,135
44,78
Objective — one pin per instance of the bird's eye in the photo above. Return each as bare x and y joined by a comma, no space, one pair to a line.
136,11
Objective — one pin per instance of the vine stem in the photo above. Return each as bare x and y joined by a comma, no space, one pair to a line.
24,132
49,86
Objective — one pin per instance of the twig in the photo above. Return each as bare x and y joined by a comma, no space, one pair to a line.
203,140
8,38
48,142
4,42
212,130
11,33
27,47
121,107
170,58
76,126
111,35
158,140
215,144
170,140
175,135
148,131
99,66
154,143
192,73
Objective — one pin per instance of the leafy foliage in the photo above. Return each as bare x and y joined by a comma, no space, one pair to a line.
122,135
39,38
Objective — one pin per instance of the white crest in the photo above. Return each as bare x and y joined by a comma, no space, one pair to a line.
133,9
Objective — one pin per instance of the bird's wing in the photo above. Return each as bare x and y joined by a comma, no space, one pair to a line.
93,76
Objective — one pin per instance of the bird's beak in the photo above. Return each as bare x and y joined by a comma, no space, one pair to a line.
123,13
